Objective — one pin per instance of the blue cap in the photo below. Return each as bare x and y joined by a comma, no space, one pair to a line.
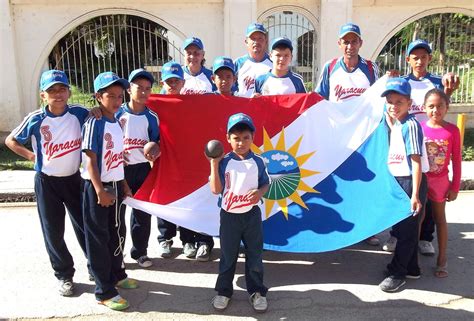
282,41
240,118
107,79
171,69
223,62
193,41
398,85
255,27
142,73
418,44
348,28
52,77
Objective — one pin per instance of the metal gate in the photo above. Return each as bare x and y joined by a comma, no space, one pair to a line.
119,43
451,38
302,33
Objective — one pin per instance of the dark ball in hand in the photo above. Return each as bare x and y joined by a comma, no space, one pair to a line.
214,149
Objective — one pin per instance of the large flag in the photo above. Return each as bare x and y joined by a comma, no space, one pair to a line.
330,186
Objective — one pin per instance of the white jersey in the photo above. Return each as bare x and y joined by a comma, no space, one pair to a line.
56,140
138,130
198,84
269,84
406,139
419,88
238,177
337,84
104,138
247,71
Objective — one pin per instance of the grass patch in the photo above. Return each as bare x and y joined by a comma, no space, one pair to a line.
11,161
468,148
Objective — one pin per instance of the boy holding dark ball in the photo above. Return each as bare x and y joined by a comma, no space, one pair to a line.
241,179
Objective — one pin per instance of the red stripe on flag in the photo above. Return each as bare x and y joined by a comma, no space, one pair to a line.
188,122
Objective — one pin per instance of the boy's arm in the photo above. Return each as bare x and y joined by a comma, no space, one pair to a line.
450,82
456,165
103,197
214,179
19,149
127,192
416,181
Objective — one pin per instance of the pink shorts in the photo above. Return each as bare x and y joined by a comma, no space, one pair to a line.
438,188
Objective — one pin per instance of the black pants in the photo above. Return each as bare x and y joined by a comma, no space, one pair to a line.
405,258
168,231
234,228
52,194
105,237
140,222
428,224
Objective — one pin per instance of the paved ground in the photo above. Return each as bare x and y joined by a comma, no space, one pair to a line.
340,285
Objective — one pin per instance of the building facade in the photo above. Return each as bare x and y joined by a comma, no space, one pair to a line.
31,28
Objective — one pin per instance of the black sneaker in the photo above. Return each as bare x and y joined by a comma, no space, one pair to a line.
391,284
66,287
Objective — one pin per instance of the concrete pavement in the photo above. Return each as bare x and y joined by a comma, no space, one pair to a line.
339,285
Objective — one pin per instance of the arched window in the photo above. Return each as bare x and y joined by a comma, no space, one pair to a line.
451,36
119,43
297,27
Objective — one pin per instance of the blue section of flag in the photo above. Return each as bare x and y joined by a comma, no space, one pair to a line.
359,199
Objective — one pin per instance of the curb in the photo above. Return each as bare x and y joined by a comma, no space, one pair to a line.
467,185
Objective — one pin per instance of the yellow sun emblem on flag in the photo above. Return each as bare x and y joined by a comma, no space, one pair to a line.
284,168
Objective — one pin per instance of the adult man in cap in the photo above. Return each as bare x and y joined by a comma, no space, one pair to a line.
255,63
350,75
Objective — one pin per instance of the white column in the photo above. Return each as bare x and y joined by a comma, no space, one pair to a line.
238,14
11,105
334,13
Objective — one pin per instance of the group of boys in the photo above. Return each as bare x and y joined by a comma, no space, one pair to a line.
116,160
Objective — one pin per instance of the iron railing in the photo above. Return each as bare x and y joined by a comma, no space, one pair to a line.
451,38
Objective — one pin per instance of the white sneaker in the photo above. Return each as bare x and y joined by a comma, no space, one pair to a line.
220,302
203,254
189,250
390,244
426,248
165,248
258,302
144,261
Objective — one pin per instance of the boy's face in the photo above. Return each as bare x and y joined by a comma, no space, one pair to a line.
281,58
111,99
56,96
350,45
140,90
397,105
256,43
240,141
419,60
436,108
224,79
173,86
193,56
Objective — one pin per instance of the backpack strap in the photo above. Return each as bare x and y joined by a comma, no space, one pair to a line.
371,71
331,65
